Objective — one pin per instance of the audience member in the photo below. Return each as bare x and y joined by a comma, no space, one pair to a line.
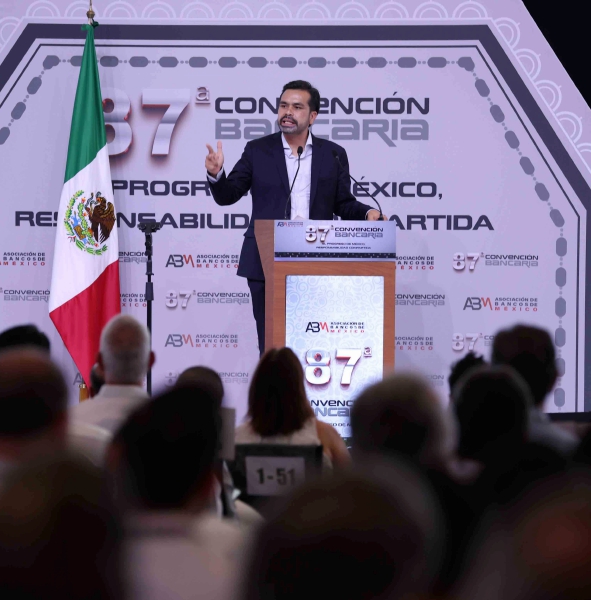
203,378
33,404
59,537
279,412
530,351
376,535
537,546
24,335
124,359
199,379
97,380
461,367
492,405
161,464
402,416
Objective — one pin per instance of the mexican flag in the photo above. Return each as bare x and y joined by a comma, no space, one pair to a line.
85,277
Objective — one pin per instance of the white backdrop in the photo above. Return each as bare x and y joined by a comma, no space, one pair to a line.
462,146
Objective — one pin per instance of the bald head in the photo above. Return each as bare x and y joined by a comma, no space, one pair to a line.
125,351
33,394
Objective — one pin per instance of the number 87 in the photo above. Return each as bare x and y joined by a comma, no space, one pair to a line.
318,365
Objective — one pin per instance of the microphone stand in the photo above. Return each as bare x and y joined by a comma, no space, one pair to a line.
148,229
372,196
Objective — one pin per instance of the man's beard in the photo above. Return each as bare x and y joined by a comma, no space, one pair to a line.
292,127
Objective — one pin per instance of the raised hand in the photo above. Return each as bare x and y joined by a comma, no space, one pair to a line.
214,161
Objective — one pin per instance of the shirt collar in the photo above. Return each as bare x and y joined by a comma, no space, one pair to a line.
286,145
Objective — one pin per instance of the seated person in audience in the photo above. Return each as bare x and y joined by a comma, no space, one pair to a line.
59,536
124,359
33,407
354,536
461,367
530,351
535,547
161,465
201,378
24,335
492,406
402,415
97,380
279,412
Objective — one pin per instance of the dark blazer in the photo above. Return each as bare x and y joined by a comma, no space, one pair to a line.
262,170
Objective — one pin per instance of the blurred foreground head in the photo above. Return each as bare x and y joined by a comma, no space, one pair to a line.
202,378
537,546
124,355
356,536
163,456
33,402
530,351
277,403
402,416
58,535
492,405
24,335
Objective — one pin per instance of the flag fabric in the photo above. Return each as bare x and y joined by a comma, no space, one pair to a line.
85,277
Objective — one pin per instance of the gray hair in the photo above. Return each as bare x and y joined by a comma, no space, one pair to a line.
125,350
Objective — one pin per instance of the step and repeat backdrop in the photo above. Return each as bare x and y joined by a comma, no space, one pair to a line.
474,146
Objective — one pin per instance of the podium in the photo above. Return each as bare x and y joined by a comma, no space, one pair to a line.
314,269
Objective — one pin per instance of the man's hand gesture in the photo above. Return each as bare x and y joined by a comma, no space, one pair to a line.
214,161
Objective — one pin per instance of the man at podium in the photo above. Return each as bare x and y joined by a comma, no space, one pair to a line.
292,175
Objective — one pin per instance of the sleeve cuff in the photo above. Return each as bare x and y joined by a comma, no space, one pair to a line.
215,179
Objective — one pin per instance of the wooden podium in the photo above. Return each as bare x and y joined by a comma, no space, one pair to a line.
276,272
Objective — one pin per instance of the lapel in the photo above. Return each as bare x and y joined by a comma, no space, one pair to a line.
317,155
279,158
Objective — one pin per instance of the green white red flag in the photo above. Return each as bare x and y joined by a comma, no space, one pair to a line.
85,277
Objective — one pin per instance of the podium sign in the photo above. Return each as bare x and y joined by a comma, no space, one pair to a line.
335,325
335,240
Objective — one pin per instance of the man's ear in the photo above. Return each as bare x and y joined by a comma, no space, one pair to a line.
313,116
152,359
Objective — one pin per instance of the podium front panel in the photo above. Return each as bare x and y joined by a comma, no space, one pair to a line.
335,325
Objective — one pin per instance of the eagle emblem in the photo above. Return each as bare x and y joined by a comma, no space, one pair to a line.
89,222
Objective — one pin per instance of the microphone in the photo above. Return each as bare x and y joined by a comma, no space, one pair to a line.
336,157
288,203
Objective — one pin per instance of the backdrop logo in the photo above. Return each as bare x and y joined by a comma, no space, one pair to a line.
203,261
133,301
15,295
436,379
414,343
335,327
134,256
471,342
502,304
222,298
332,408
210,341
420,300
89,223
23,259
442,222
415,263
469,261
234,377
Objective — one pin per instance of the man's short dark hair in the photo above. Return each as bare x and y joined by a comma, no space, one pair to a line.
33,393
200,378
491,406
165,451
530,351
24,335
306,86
462,366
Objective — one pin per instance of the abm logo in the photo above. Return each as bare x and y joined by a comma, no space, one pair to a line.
178,340
316,326
475,303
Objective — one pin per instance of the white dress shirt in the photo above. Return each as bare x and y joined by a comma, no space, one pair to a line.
300,194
